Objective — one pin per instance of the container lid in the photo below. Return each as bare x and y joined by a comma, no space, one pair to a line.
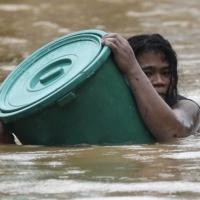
51,72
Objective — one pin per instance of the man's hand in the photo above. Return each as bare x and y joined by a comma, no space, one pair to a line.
5,138
123,53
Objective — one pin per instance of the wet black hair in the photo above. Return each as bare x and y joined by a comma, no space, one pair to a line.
156,43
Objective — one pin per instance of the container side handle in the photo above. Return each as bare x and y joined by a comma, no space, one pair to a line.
66,99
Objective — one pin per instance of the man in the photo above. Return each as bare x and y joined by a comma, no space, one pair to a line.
150,65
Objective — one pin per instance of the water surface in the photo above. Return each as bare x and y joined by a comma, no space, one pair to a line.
159,171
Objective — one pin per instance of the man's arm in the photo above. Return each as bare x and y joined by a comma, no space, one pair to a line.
163,122
5,138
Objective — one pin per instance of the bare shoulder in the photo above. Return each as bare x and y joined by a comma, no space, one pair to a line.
188,113
187,106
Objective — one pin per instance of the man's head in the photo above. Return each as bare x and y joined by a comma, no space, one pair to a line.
156,44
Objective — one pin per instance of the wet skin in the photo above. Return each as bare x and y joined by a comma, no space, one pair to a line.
156,69
149,79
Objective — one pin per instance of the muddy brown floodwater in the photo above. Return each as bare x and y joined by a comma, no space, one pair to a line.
160,171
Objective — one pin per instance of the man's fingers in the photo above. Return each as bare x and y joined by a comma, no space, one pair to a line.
115,37
114,45
111,40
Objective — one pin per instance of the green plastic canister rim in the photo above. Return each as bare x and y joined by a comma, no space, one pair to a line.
62,91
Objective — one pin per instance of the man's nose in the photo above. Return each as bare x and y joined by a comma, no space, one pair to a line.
158,80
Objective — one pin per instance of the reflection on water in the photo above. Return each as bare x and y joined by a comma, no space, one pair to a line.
161,171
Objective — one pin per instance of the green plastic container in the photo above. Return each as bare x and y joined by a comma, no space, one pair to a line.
70,92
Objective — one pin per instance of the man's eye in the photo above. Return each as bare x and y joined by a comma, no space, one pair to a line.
166,73
148,74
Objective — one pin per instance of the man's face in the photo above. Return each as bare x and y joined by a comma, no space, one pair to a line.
156,68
